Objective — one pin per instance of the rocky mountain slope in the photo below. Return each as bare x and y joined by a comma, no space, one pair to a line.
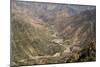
52,33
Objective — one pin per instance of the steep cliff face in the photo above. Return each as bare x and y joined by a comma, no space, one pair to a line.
81,32
53,33
81,26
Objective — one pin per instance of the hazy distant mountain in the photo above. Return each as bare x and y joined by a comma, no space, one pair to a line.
48,11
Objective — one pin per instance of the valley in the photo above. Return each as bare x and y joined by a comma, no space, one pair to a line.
46,33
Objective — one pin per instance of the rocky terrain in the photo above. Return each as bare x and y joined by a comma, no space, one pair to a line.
46,33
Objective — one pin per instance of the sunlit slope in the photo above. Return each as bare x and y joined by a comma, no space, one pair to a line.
29,38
